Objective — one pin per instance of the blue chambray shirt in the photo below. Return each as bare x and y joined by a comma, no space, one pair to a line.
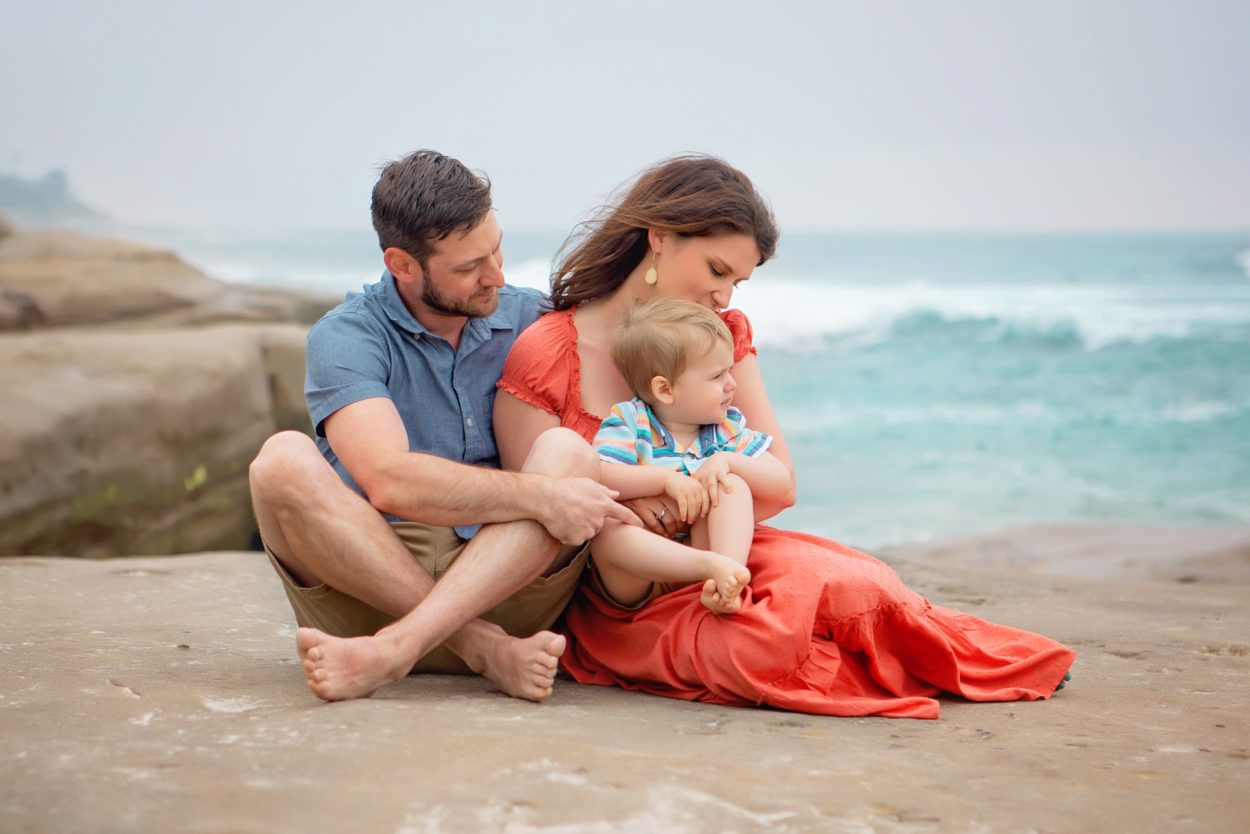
371,346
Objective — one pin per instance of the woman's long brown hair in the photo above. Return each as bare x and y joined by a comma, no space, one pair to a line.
691,194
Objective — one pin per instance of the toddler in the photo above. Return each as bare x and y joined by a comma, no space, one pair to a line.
680,437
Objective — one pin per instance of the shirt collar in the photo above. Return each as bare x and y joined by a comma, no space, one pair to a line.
394,306
709,436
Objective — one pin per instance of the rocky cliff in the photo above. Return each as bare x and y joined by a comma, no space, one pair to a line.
136,389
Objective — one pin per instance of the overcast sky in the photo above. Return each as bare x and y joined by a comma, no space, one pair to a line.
907,115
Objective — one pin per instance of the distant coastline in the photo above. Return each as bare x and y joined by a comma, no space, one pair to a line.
45,201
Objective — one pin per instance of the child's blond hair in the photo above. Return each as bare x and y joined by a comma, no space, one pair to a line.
659,337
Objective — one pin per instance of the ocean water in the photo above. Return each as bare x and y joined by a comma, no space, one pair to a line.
932,385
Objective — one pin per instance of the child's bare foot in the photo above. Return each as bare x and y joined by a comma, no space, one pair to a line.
339,668
714,602
728,581
522,667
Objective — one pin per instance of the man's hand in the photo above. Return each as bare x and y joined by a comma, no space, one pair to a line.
659,515
714,476
690,495
574,509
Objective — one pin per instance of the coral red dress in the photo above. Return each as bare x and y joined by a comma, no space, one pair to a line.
824,629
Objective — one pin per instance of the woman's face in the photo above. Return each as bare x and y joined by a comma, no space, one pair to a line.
705,269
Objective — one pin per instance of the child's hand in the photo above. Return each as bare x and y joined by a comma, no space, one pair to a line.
691,497
714,476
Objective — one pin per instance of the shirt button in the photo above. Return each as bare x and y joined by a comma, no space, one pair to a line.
469,422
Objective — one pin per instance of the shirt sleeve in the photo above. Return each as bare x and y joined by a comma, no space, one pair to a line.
531,372
615,439
347,361
740,328
741,439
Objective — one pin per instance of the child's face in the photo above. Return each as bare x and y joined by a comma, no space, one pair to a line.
705,388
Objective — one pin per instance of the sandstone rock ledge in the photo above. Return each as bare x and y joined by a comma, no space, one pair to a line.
162,694
136,390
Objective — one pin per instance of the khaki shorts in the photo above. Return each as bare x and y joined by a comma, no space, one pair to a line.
530,610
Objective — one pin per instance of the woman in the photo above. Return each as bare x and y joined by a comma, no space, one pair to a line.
824,629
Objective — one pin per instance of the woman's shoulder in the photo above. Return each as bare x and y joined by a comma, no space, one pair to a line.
740,328
538,366
551,336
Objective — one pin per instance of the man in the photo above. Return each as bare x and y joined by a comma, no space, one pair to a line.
400,387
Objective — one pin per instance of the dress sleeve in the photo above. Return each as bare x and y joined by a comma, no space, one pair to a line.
347,361
741,439
615,440
740,328
532,372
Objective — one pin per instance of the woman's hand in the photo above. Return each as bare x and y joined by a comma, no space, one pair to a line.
658,514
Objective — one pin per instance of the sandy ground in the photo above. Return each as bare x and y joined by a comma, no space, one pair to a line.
162,694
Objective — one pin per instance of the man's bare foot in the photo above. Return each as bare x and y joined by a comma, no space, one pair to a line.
339,668
522,667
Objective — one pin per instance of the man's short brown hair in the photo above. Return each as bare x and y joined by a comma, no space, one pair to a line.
425,197
660,337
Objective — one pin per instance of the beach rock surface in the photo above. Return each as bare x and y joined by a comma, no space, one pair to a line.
163,694
137,389
62,278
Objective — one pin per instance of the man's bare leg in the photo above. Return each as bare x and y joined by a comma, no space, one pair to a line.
500,560
322,531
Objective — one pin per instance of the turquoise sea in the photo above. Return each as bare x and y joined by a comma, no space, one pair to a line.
941,384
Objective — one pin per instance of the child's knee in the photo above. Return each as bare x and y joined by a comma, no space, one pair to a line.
738,485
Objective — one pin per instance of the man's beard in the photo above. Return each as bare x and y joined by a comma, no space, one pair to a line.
432,298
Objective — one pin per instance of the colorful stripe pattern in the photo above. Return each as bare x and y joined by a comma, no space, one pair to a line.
633,434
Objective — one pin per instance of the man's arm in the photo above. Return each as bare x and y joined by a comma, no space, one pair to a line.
369,438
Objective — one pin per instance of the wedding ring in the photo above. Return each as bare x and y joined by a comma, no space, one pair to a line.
663,512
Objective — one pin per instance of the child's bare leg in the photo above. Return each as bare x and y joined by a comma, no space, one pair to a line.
728,528
629,559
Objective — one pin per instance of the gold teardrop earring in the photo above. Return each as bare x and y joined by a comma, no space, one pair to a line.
651,276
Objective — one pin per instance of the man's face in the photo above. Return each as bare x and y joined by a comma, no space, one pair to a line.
463,274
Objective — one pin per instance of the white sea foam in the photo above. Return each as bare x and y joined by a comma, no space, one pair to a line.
799,314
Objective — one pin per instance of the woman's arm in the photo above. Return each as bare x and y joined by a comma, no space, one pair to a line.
517,426
769,479
752,400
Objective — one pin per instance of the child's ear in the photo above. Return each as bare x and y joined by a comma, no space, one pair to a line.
662,390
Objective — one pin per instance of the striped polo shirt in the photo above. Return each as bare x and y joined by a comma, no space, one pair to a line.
633,434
